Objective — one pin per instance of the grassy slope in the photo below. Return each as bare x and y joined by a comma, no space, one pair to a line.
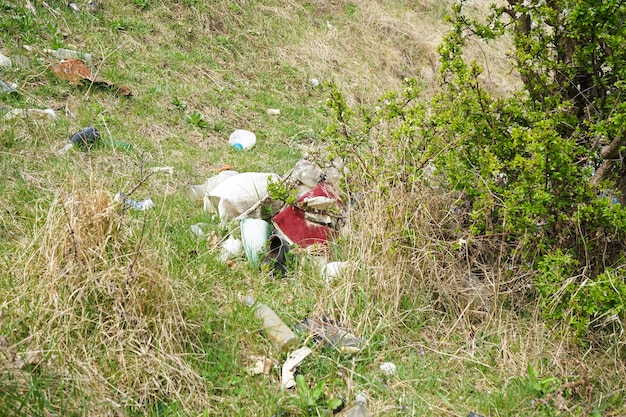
126,314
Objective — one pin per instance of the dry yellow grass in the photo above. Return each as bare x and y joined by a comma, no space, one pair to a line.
102,310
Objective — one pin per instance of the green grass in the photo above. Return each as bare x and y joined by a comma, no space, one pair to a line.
132,315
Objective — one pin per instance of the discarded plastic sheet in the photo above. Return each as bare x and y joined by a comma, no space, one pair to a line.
323,329
76,72
307,173
273,112
200,230
320,203
260,365
236,194
298,226
295,358
254,235
332,270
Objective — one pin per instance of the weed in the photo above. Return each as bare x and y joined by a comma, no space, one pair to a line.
196,119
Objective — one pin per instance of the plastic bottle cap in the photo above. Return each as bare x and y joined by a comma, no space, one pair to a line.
237,146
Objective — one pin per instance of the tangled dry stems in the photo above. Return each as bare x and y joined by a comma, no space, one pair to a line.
103,310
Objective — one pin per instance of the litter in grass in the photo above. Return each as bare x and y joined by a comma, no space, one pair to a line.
88,137
295,358
62,53
303,225
197,193
36,114
167,170
239,194
76,72
332,270
279,334
137,205
359,409
323,329
231,248
8,89
200,230
5,61
388,368
254,235
260,365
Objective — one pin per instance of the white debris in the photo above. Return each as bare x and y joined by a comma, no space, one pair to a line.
388,368
295,358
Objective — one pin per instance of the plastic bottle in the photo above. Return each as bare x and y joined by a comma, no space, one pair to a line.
5,61
280,335
62,53
359,409
242,139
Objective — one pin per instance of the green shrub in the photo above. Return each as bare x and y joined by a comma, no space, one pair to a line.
540,170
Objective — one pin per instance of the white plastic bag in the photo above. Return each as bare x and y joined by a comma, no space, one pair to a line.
238,193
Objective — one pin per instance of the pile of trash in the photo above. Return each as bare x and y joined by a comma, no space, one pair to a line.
266,229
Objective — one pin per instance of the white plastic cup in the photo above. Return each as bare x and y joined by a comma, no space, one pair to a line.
242,139
254,236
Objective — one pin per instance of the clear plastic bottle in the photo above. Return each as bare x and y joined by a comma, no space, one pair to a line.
242,139
280,335
62,53
359,409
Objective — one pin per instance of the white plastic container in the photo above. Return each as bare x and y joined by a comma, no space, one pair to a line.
242,139
254,236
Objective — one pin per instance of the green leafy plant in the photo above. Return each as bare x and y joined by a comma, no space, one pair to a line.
312,399
196,119
280,190
540,170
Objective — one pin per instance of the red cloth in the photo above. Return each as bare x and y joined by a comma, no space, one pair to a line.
296,229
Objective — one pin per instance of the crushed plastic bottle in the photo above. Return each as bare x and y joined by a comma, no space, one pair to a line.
359,409
5,61
62,53
137,205
242,139
37,114
279,334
